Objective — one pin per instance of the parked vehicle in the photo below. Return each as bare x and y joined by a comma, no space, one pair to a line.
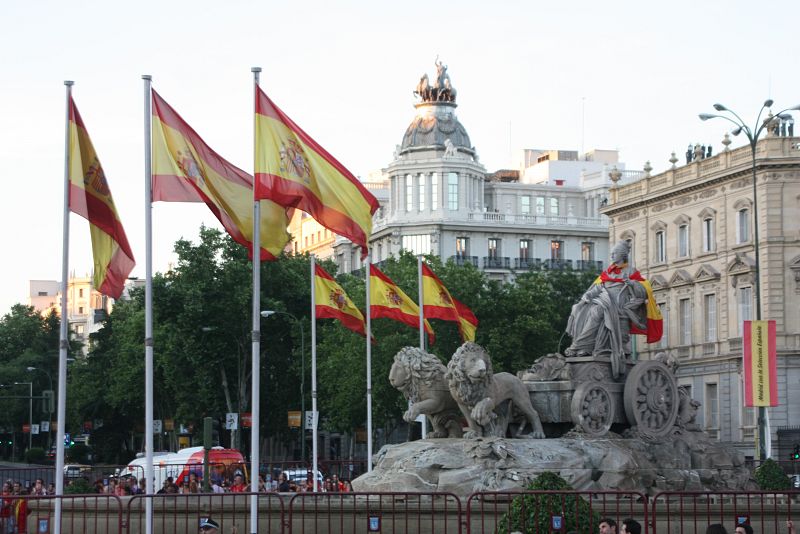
223,464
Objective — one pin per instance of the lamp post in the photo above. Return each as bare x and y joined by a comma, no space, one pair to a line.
752,136
30,411
49,413
267,313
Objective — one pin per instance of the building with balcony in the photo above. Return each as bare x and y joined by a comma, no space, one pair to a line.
692,234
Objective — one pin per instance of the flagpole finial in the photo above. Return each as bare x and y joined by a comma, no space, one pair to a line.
255,69
69,83
147,77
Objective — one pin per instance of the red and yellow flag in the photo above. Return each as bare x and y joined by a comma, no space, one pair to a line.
438,303
90,197
186,169
760,363
293,170
655,323
331,302
388,300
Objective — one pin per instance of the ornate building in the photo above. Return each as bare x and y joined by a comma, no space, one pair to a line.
692,234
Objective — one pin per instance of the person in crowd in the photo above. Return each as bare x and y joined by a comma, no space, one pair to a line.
262,484
216,485
283,483
631,526
716,528
51,489
238,485
608,526
348,486
208,526
6,508
184,489
38,488
790,527
336,484
743,529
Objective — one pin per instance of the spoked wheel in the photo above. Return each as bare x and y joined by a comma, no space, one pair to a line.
651,398
592,408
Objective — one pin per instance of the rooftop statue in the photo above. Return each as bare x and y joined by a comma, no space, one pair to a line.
618,304
442,90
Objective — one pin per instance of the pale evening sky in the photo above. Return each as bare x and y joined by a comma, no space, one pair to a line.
345,72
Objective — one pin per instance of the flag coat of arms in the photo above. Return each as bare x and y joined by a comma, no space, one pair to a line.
389,301
90,197
440,304
331,302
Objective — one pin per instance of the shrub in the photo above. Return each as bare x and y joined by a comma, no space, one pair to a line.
771,477
34,455
78,454
79,486
531,513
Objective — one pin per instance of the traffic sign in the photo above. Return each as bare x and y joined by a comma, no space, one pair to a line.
157,426
44,426
310,418
231,421
26,428
34,429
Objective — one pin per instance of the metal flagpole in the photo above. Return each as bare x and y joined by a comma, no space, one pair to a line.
424,421
314,450
63,343
148,305
256,370
369,366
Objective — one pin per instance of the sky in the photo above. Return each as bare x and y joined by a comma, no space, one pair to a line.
626,75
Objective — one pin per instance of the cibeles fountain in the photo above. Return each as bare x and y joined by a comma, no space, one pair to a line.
592,415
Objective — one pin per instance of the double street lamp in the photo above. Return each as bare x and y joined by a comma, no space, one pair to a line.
267,313
753,135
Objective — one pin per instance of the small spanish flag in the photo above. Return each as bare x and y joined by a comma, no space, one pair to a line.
389,301
439,304
655,323
760,363
90,197
331,302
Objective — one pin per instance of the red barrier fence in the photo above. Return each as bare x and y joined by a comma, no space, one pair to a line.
92,514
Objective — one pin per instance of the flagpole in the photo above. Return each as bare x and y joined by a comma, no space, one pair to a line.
256,369
63,342
369,365
314,451
148,306
424,422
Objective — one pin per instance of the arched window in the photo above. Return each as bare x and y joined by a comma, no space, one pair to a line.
743,225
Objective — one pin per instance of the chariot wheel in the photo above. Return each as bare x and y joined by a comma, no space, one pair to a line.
592,408
651,398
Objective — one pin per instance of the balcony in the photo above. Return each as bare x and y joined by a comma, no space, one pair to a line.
492,262
556,265
465,260
529,264
588,265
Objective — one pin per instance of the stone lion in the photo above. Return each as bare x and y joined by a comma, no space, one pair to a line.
420,378
486,399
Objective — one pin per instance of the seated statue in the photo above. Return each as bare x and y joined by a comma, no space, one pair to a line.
619,303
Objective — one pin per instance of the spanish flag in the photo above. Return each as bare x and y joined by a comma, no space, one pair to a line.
186,169
760,363
293,170
388,300
331,302
90,197
655,323
439,304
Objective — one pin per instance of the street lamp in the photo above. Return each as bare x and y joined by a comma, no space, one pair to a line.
267,313
49,413
752,136
30,411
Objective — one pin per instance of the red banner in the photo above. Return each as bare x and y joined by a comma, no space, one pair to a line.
760,364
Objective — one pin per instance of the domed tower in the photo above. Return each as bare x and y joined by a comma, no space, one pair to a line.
435,175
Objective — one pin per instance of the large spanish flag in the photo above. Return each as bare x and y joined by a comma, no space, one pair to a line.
186,169
760,363
331,302
438,303
90,197
388,300
293,170
655,323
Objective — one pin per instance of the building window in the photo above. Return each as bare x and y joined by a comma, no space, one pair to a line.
745,302
683,240
305,239
539,205
524,249
525,205
743,226
80,292
708,234
748,415
664,342
494,248
587,251
462,247
685,317
556,250
710,318
80,310
452,191
661,246
434,192
417,244
421,192
712,407
79,329
409,192
553,206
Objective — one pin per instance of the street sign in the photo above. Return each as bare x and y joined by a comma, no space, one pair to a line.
247,420
294,419
169,425
44,426
231,421
157,426
26,428
310,418
34,429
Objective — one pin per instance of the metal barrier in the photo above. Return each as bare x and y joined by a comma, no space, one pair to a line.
550,511
91,514
692,512
389,513
181,513
344,469
27,475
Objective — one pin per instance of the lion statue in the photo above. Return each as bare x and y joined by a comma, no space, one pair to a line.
487,400
420,378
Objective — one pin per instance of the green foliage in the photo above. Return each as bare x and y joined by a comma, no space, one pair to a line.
79,486
771,476
532,513
35,455
78,454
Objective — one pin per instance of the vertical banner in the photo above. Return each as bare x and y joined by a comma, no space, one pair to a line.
760,364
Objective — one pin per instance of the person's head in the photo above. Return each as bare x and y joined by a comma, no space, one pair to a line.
7,487
17,488
39,483
620,253
608,526
208,525
335,479
716,528
631,526
744,528
142,482
282,477
238,480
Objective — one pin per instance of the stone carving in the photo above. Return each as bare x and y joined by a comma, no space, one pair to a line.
442,90
420,378
601,322
549,367
488,400
423,89
449,149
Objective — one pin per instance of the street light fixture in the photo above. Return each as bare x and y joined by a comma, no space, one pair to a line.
752,136
267,313
49,413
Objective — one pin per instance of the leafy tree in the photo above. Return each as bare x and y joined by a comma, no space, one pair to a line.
770,476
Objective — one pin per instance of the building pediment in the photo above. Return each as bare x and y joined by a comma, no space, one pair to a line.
741,264
658,283
706,272
680,278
